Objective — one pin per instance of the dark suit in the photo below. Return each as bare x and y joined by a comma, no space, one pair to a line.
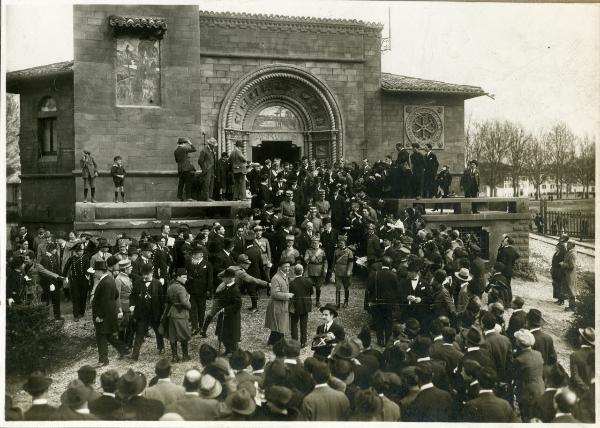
338,332
222,261
564,419
382,294
256,270
478,272
431,405
543,408
207,160
417,161
300,306
450,355
39,412
104,406
199,285
431,166
518,320
149,302
338,212
145,409
488,408
508,256
185,170
545,345
105,303
501,352
528,366
582,369
480,355
52,264
238,164
263,196
239,247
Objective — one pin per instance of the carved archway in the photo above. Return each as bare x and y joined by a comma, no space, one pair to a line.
294,88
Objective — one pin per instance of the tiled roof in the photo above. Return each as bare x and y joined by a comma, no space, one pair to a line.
43,70
136,22
285,19
397,83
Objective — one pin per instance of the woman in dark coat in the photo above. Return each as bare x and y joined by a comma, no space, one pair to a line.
178,314
229,324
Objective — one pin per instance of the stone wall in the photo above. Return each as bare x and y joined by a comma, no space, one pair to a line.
144,136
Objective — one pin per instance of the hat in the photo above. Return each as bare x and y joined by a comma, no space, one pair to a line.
87,374
346,349
280,396
239,359
331,308
404,251
497,309
258,228
212,140
563,238
588,334
171,416
124,264
112,261
131,383
183,140
524,337
229,273
289,237
98,265
239,143
180,271
37,383
76,247
518,301
145,246
315,238
473,336
475,248
198,249
421,345
210,387
241,402
103,243
342,238
243,259
534,318
412,326
279,347
463,274
289,192
474,161
76,394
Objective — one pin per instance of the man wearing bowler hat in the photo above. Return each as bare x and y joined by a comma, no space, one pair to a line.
105,308
185,170
130,388
238,166
207,160
37,386
329,333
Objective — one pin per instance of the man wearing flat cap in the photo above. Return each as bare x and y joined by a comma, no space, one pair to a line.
527,375
238,166
105,308
207,160
288,207
185,170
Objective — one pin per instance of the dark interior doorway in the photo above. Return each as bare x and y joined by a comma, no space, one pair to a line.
283,150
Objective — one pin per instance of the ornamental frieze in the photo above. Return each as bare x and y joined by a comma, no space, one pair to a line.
424,125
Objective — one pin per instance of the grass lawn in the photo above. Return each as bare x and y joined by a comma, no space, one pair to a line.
583,205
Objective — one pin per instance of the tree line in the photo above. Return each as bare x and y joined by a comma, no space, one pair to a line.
505,149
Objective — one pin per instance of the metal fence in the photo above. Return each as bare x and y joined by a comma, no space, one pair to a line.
576,223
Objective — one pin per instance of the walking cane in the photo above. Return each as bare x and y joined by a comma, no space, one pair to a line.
222,314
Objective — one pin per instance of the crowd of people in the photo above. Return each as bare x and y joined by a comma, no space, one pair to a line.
411,174
445,348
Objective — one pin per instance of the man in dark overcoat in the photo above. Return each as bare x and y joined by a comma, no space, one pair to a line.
300,304
557,274
229,323
105,309
382,294
199,285
207,160
582,362
146,302
431,166
185,170
51,286
417,161
238,165
329,239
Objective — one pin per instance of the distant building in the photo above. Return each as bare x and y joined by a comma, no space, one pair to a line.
547,189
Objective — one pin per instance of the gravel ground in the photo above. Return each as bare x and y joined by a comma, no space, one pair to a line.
254,335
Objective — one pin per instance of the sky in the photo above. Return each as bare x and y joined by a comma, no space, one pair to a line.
541,62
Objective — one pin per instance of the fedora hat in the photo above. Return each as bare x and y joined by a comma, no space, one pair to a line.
145,246
463,274
534,318
241,402
124,264
98,265
588,334
183,140
346,349
212,140
239,359
37,383
330,307
413,326
473,336
103,243
280,396
76,394
210,387
131,383
524,337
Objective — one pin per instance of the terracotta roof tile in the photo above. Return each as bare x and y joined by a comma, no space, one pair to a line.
397,83
43,70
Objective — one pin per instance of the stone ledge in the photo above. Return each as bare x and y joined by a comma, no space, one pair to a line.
215,54
482,216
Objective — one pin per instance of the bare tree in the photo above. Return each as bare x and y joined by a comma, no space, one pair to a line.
472,145
583,163
492,139
13,164
517,142
560,140
537,165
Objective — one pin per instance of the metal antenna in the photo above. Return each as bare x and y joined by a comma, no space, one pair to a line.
386,42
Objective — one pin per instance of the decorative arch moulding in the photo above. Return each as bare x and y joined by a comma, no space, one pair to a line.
143,27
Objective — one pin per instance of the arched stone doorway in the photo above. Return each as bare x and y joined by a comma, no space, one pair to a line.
284,111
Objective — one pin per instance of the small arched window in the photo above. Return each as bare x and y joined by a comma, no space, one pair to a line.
47,131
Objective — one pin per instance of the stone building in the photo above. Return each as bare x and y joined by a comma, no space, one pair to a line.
142,76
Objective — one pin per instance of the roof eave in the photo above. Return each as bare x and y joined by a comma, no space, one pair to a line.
462,94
